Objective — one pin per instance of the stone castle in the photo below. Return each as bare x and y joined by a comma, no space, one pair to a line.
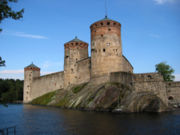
106,64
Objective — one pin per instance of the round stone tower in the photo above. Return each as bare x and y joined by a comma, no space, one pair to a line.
106,47
75,50
30,72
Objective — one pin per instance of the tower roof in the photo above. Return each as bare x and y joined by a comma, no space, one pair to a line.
106,19
75,40
31,66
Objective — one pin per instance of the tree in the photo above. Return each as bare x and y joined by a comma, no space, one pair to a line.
165,70
6,11
11,90
2,62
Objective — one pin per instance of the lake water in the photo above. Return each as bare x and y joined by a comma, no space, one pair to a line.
38,120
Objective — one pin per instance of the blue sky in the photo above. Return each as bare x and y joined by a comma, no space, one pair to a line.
150,32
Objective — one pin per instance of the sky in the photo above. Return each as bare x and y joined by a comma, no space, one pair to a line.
150,33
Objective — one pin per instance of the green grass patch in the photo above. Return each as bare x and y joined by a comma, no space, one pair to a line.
78,88
62,102
44,99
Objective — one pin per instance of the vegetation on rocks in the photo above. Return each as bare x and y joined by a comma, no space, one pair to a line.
44,99
78,88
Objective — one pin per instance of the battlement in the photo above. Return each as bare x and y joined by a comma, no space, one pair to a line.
105,26
148,77
76,44
173,84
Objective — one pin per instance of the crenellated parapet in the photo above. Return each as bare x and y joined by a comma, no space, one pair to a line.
76,45
105,26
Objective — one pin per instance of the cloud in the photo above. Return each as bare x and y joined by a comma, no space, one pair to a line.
12,71
22,34
177,77
12,74
17,74
160,2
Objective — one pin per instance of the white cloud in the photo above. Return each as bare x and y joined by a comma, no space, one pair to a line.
22,34
160,2
12,71
177,77
12,74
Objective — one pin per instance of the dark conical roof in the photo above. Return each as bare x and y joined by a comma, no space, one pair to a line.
105,19
75,40
32,66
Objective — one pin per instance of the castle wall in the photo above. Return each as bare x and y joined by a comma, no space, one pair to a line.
173,92
47,83
122,77
83,69
152,82
127,67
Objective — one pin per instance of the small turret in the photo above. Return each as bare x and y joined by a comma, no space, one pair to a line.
30,72
75,50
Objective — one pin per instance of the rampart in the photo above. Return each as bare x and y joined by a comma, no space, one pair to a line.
173,92
152,82
47,83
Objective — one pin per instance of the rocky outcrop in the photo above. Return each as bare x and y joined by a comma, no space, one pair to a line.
115,97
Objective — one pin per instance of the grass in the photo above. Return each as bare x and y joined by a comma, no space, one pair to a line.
78,88
44,99
62,102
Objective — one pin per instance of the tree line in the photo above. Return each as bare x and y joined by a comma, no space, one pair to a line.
11,90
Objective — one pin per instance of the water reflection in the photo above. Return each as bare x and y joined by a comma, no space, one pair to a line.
38,120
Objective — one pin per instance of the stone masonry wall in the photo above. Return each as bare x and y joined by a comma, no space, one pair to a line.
47,83
152,82
74,51
83,70
127,67
173,92
106,48
122,77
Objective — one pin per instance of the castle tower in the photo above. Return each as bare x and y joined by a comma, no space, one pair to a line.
75,50
30,72
106,47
